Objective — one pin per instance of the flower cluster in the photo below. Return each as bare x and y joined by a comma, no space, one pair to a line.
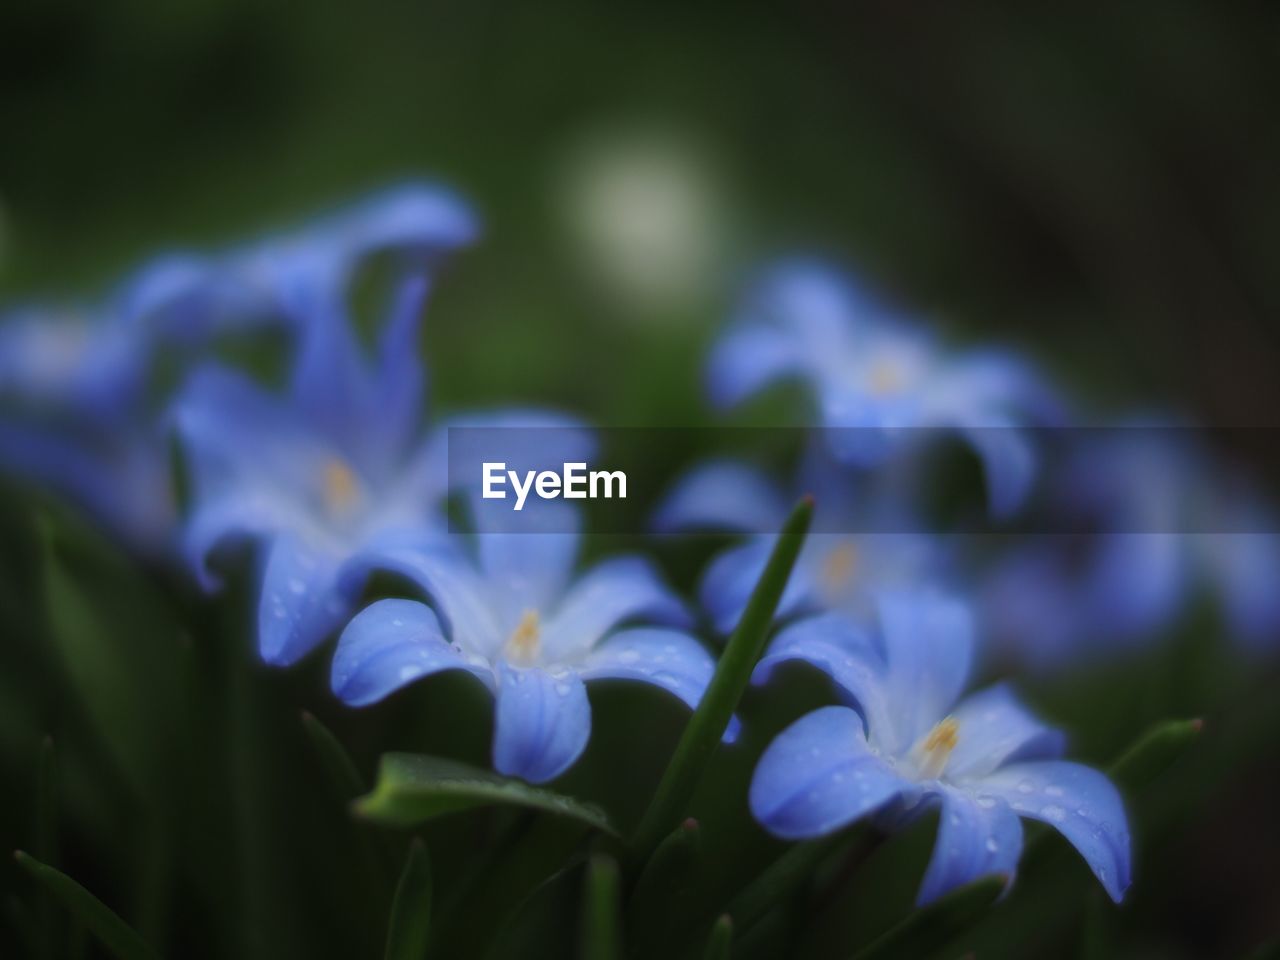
331,473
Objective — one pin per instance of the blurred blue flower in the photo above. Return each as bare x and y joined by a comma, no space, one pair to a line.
865,540
335,467
906,746
75,411
277,282
1153,519
514,616
72,419
879,381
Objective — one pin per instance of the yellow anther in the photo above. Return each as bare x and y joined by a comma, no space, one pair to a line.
523,645
887,376
937,747
341,486
839,566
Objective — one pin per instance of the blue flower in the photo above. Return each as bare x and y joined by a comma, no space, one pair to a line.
186,299
1155,517
336,469
864,540
73,420
879,381
514,616
907,746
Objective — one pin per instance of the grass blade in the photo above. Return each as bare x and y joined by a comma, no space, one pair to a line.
341,770
413,788
721,939
664,883
410,922
113,933
602,910
733,673
934,926
1153,753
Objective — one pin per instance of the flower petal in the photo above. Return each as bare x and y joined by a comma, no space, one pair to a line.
819,775
302,601
721,495
1080,803
977,836
994,729
461,596
236,434
543,723
1008,461
841,649
618,589
747,360
669,659
388,645
928,645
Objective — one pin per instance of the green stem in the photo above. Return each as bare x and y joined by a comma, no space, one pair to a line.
733,673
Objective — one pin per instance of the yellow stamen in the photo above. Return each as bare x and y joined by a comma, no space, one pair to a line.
341,486
886,377
839,566
523,645
937,747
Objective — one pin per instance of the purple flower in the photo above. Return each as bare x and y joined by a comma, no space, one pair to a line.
907,746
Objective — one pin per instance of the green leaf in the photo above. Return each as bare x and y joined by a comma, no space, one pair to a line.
410,922
46,845
1154,752
934,926
118,646
779,879
113,933
721,939
341,770
733,673
601,910
413,788
664,882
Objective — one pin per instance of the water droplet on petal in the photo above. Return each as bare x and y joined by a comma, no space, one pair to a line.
1053,812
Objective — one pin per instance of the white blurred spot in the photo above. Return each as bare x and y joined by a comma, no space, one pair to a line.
647,220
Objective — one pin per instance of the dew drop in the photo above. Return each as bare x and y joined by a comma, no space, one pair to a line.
1053,812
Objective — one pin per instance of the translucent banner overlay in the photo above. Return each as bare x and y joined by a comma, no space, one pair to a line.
1065,481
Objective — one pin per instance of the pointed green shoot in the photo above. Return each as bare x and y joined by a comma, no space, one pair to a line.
119,939
410,922
721,939
1154,752
936,925
665,879
733,673
344,778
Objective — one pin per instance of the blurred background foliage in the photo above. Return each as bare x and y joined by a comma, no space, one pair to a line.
1097,184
